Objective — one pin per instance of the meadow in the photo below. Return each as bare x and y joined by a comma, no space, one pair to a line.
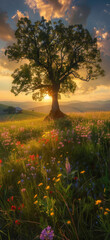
55,177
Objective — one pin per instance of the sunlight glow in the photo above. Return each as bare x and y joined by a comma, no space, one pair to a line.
47,97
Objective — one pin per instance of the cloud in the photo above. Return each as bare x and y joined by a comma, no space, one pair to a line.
107,9
79,14
49,8
19,15
74,12
7,67
6,32
102,82
103,40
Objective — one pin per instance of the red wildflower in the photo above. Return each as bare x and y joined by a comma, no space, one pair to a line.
13,207
0,161
32,157
51,192
17,143
75,178
11,198
17,222
22,205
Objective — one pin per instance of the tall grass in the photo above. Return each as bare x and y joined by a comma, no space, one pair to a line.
55,174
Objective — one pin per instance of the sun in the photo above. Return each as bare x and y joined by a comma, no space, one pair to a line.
47,97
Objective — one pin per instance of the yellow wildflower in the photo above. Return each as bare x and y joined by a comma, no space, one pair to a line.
36,202
53,178
107,209
59,175
35,196
58,179
19,182
58,162
98,202
40,184
45,196
82,172
47,188
105,213
52,213
51,209
68,222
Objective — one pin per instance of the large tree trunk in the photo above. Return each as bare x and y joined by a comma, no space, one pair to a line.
55,110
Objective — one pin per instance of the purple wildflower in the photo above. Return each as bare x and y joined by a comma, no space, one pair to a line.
47,234
67,165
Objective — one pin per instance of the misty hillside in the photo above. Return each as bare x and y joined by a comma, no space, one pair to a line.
77,107
65,106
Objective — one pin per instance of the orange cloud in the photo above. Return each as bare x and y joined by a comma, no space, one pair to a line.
6,32
103,40
19,15
50,8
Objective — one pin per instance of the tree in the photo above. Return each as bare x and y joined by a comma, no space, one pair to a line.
56,55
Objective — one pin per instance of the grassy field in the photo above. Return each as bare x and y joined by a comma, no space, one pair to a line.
55,177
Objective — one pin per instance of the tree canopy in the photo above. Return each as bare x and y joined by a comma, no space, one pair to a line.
56,56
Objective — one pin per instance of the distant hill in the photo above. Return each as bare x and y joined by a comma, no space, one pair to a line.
77,107
65,106
2,108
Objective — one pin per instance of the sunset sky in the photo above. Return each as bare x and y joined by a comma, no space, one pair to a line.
93,14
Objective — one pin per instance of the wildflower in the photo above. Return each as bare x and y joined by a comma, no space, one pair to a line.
98,202
107,209
82,172
47,233
101,208
68,222
52,213
17,222
53,178
11,198
19,182
58,179
75,178
51,192
22,205
0,161
13,207
23,189
45,196
48,187
59,175
40,184
105,213
67,165
35,196
36,202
